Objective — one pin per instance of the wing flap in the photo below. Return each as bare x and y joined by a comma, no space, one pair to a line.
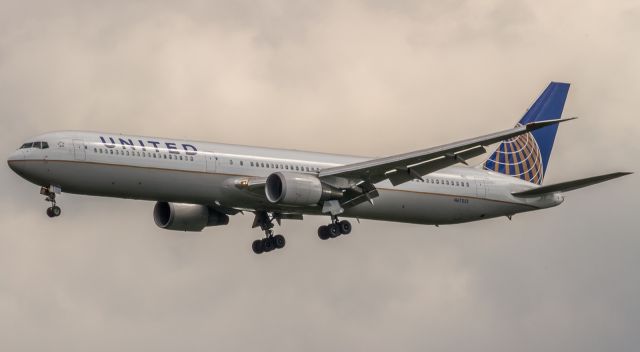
405,174
569,185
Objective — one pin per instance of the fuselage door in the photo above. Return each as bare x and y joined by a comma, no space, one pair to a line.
211,162
79,152
481,187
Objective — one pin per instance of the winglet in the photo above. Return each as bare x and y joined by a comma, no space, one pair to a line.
539,124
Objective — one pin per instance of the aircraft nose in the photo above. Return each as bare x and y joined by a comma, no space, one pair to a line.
14,161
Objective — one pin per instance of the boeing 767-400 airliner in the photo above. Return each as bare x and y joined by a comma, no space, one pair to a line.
198,184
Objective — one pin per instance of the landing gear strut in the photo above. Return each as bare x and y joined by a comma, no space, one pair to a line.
270,241
54,210
334,229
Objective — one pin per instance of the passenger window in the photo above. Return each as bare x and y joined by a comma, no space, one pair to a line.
127,153
95,150
111,151
180,157
230,162
241,163
297,168
191,158
437,182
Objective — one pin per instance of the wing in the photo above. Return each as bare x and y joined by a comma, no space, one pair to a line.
405,167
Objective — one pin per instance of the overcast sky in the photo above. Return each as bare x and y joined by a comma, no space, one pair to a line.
358,77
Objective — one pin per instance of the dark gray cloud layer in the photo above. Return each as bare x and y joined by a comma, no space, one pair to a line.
387,76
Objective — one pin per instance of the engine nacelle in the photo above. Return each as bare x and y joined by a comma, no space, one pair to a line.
298,189
186,217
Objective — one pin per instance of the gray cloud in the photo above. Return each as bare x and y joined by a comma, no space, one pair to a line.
370,78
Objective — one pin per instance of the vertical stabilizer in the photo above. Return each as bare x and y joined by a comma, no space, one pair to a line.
527,155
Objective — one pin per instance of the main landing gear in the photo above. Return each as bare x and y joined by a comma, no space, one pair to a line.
270,241
54,210
334,229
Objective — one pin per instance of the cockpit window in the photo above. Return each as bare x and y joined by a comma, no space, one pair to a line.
39,145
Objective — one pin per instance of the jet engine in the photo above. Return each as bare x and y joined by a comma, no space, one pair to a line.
298,189
186,217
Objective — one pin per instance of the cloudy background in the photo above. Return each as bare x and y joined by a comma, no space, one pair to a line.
359,77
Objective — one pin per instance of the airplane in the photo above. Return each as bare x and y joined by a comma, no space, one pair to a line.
200,184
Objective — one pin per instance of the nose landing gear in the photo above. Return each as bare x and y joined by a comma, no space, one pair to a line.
50,193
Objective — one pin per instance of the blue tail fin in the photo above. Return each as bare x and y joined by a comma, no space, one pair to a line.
527,155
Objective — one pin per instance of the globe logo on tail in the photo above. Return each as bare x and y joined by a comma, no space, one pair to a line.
518,157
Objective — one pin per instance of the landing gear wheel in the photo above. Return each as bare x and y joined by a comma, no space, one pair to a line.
345,227
270,241
333,230
323,233
279,241
267,244
53,210
257,247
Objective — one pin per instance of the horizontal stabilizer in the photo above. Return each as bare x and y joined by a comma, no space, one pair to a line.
569,185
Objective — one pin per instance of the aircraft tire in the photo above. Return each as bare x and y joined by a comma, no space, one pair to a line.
268,245
345,227
257,247
279,241
323,233
333,230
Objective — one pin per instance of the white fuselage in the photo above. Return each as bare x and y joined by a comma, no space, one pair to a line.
160,169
